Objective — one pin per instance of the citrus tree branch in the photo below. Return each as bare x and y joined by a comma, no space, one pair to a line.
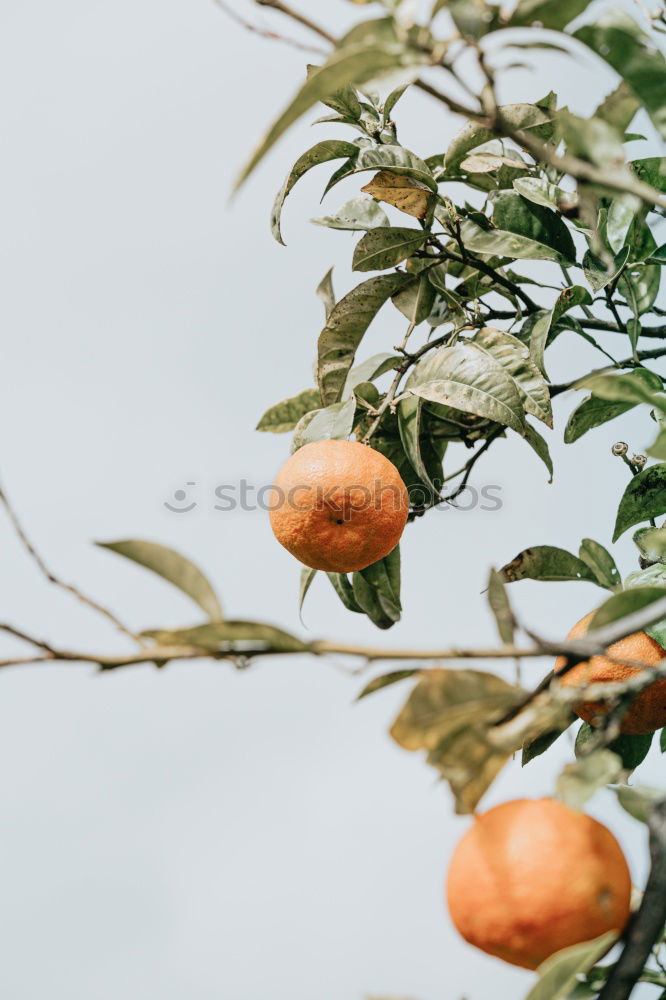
647,925
296,15
593,644
266,32
565,163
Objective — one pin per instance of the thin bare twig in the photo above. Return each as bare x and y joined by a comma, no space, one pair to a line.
24,637
296,15
52,578
273,36
387,402
651,355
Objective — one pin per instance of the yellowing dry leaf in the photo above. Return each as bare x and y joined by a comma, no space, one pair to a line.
404,193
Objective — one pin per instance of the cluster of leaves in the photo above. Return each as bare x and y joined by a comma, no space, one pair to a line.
458,268
460,717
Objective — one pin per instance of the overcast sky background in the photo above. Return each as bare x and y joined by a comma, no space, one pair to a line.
199,833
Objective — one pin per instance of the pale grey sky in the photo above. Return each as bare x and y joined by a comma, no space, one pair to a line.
198,834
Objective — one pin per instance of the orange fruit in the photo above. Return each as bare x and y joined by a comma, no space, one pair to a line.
532,877
647,712
338,506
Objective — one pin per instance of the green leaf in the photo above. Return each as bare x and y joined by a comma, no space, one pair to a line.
377,590
543,193
559,974
234,637
358,215
498,599
644,498
598,273
345,101
285,415
639,285
650,576
474,18
540,447
343,588
326,293
534,747
578,782
345,328
410,413
369,370
620,220
307,576
527,117
515,214
415,301
382,248
334,422
553,14
173,567
619,107
662,741
632,750
617,39
601,562
544,323
651,170
514,356
387,680
585,735
492,242
638,386
322,152
469,379
658,256
392,100
351,64
546,562
638,800
395,159
625,603
594,140
651,543
591,413
658,449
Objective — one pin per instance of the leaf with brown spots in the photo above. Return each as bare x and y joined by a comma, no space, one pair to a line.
546,562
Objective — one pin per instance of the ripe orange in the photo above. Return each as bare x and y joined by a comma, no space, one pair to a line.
338,506
532,877
647,712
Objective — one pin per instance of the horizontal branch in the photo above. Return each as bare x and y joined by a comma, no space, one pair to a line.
593,644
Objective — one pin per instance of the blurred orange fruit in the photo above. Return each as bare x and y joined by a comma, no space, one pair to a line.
532,877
